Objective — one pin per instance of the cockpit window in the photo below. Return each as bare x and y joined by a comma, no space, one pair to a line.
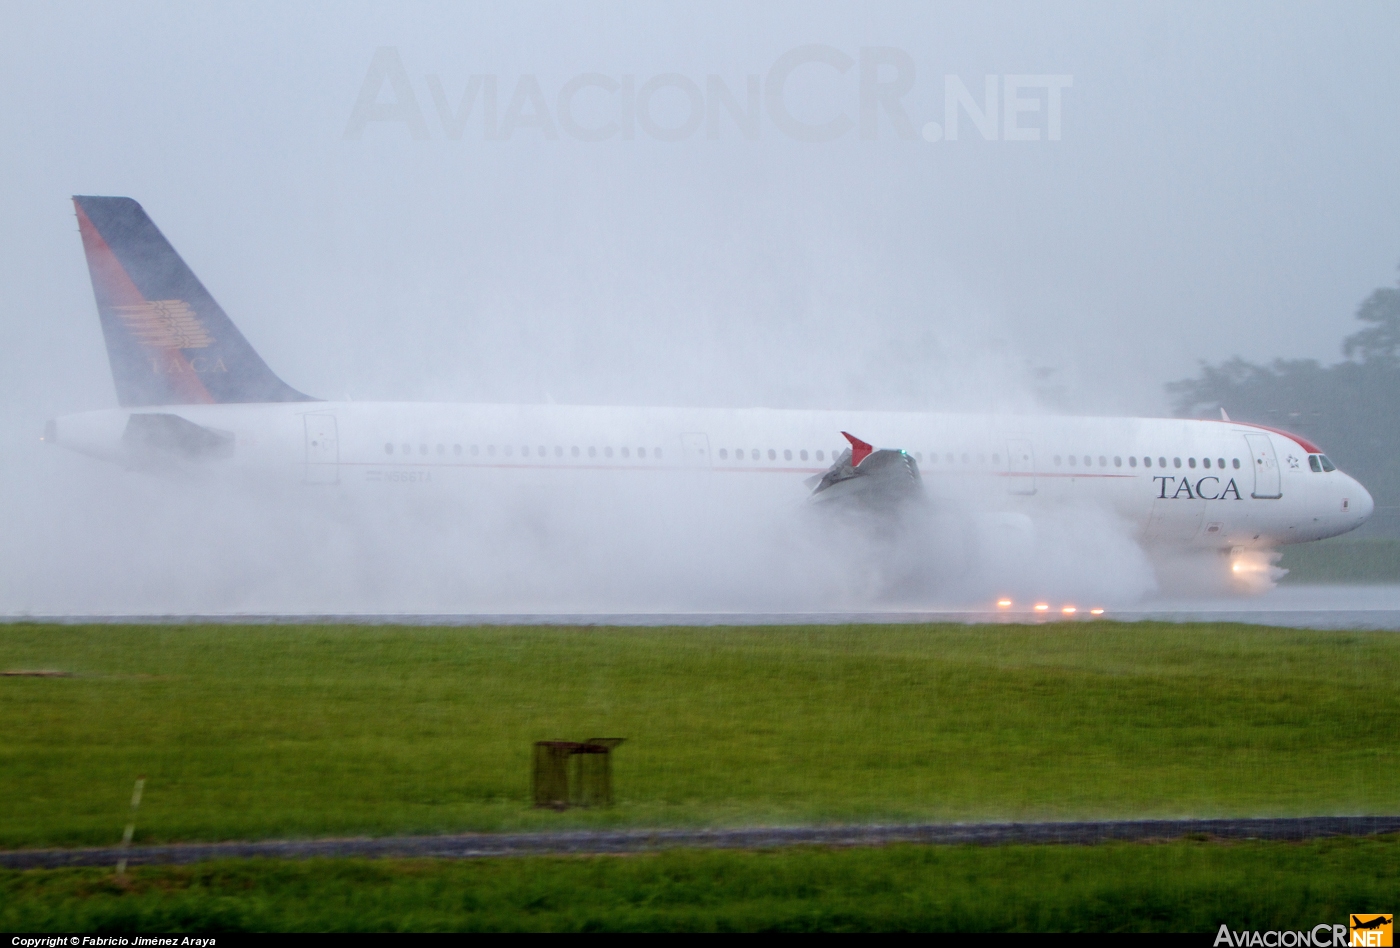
1326,464
1314,463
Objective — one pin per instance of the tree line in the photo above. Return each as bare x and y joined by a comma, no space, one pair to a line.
1349,408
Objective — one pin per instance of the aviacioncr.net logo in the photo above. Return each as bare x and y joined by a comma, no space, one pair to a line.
1370,929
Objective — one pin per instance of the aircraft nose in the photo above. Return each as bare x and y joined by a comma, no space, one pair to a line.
1359,500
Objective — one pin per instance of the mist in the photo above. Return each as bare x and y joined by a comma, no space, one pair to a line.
1221,182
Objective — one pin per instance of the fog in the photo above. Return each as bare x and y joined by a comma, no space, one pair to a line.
1201,182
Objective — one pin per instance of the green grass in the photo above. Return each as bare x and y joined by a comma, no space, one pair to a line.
283,731
1182,886
1343,561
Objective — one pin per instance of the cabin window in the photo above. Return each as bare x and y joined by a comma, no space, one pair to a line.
772,455
457,450
573,452
723,454
641,452
1117,460
802,454
1162,462
1220,463
474,450
1088,461
506,450
967,459
388,449
787,454
422,449
820,456
1236,463
1327,465
1103,461
593,452
625,453
1132,462
442,449
1190,462
1176,462
558,451
1205,463
407,449
1314,463
1057,460
607,452
1146,462
1073,460
491,450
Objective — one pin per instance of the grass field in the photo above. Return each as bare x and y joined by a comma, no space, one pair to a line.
283,731
1183,886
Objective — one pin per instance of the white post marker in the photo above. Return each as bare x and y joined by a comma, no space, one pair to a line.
131,824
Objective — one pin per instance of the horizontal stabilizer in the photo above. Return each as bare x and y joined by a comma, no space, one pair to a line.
151,435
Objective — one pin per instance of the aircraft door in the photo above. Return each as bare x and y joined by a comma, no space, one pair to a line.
322,450
1267,483
695,449
1020,466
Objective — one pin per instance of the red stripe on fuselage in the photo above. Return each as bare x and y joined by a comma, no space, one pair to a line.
1303,443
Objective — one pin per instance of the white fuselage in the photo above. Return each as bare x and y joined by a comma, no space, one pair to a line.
1183,483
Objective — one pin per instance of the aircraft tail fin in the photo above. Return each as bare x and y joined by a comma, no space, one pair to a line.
168,341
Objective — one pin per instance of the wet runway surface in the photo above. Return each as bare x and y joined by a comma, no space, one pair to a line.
1313,607
485,845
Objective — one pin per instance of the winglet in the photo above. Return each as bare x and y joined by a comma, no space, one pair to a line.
859,449
1223,416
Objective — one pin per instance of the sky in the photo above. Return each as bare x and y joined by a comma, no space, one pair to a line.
1149,186
1224,183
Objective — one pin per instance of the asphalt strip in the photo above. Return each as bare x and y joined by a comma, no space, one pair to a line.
594,842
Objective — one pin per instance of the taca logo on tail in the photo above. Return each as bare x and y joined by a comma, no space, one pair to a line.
168,341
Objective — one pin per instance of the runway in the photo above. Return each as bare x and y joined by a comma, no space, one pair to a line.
1309,607
487,845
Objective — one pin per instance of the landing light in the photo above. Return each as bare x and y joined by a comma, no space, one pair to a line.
1042,606
1095,612
1003,603
1069,610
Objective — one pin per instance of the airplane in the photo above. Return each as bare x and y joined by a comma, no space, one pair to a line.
193,393
1376,921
